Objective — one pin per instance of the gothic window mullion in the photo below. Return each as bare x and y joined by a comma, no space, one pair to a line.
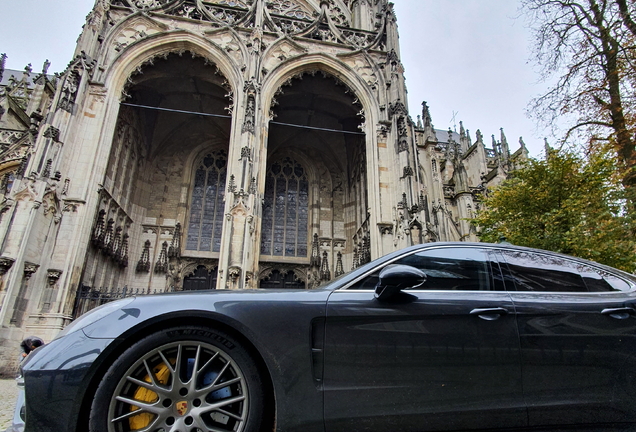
291,217
286,216
273,227
297,215
218,211
201,209
204,227
281,206
285,211
206,209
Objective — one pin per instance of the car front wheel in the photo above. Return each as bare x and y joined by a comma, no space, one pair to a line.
183,379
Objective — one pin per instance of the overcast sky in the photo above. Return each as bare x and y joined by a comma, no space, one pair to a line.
468,57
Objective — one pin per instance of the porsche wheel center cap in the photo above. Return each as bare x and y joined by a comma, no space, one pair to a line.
182,407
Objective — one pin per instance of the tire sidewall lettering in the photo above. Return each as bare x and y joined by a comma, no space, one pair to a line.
205,334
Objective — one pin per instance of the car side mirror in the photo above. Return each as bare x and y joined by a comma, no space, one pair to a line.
395,278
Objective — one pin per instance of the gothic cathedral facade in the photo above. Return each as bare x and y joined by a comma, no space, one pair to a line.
227,144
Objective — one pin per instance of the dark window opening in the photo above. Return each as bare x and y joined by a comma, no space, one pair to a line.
207,204
200,279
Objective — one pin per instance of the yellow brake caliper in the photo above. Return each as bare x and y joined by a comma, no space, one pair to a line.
142,420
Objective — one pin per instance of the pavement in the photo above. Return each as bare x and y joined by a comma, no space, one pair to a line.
8,396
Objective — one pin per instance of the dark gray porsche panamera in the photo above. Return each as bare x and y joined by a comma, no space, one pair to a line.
436,337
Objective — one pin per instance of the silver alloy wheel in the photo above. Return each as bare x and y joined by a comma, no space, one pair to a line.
185,386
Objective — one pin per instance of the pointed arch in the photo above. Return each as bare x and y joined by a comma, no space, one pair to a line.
284,230
205,219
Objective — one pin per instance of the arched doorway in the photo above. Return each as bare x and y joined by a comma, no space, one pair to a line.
201,279
316,197
166,175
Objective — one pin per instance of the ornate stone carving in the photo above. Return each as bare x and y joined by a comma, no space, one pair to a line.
315,252
122,256
67,184
386,228
69,91
398,108
384,127
143,265
248,277
339,267
53,133
29,269
246,152
5,265
174,251
71,206
46,172
52,276
234,273
231,185
252,187
250,115
325,274
161,266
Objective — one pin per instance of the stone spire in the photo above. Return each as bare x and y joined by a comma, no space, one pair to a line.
505,149
464,139
426,115
547,147
480,137
3,60
45,67
521,143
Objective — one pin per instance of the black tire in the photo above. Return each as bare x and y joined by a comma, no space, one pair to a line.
182,379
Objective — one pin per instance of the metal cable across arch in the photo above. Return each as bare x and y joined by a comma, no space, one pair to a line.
229,117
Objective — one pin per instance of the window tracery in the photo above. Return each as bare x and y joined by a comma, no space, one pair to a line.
206,205
288,8
285,210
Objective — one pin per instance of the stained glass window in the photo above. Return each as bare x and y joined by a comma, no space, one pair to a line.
285,210
206,206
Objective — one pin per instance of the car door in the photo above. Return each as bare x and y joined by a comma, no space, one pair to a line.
577,329
444,356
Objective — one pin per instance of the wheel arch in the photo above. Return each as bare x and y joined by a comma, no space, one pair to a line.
176,319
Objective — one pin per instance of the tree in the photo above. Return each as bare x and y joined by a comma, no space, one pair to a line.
565,203
588,47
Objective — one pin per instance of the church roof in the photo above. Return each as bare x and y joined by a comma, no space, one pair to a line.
18,76
442,136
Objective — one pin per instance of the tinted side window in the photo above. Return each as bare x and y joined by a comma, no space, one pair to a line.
546,273
453,269
461,268
614,282
595,282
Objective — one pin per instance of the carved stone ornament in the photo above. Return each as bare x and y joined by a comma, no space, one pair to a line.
53,133
143,265
69,91
233,273
339,267
250,115
174,251
29,269
147,4
5,265
246,152
161,266
248,277
325,274
52,276
386,228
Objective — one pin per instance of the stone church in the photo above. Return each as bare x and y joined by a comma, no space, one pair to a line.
195,144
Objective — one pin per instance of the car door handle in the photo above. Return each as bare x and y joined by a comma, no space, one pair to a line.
489,314
619,313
